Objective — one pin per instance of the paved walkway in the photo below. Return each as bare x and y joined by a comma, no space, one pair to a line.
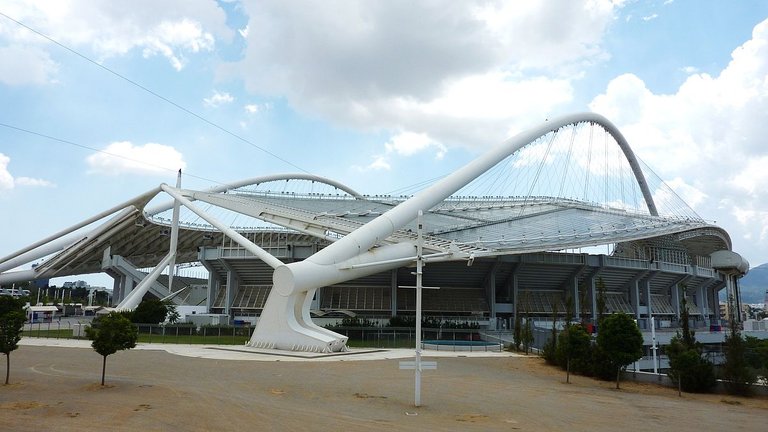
238,352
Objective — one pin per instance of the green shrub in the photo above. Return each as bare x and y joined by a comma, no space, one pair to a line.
574,345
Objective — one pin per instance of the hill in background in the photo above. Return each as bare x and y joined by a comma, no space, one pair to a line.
754,284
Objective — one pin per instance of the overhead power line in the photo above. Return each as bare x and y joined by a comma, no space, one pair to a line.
53,138
153,93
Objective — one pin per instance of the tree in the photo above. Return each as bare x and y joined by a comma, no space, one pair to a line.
735,371
527,334
518,330
527,330
582,302
600,301
172,313
111,333
621,341
574,350
757,356
12,319
687,367
550,348
150,311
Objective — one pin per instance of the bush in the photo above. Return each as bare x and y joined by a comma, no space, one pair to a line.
600,365
620,342
692,372
150,311
352,322
687,364
409,321
574,344
549,351
736,373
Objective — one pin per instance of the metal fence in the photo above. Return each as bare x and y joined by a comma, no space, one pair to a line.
371,337
148,333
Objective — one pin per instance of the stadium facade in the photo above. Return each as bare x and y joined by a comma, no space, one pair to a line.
556,215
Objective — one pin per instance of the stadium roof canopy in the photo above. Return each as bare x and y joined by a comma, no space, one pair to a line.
575,184
569,183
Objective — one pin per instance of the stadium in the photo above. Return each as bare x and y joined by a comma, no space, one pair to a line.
558,215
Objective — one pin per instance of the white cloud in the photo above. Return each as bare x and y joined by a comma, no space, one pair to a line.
482,71
35,182
690,69
410,143
753,176
218,99
7,181
709,133
173,29
30,65
380,163
690,194
404,144
257,108
185,34
650,17
125,158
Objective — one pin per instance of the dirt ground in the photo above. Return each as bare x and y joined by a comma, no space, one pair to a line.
58,389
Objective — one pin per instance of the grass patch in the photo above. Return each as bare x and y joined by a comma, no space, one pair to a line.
50,334
193,339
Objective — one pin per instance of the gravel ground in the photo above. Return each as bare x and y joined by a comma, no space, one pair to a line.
57,388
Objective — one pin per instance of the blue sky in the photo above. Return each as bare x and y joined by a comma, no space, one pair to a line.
378,95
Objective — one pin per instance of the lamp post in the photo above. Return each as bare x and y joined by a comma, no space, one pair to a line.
419,266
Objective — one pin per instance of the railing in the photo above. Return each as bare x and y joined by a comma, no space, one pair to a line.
404,337
370,337
149,333
626,262
51,329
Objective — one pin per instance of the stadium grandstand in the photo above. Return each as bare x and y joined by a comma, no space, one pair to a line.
555,215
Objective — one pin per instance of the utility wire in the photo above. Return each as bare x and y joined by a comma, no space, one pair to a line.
53,138
157,95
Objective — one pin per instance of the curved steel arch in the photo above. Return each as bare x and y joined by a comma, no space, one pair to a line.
285,322
628,153
382,227
288,176
263,179
590,117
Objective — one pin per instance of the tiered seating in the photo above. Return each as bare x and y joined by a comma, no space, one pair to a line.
617,303
220,297
454,300
693,308
251,296
371,298
540,301
406,299
660,305
247,297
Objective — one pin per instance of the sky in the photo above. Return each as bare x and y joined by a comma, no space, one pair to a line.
104,100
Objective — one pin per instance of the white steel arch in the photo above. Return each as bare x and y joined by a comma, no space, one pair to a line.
262,179
285,322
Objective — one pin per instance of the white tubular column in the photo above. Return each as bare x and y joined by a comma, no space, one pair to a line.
57,243
285,322
174,237
134,297
263,255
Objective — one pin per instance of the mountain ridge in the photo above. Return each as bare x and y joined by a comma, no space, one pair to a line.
754,284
